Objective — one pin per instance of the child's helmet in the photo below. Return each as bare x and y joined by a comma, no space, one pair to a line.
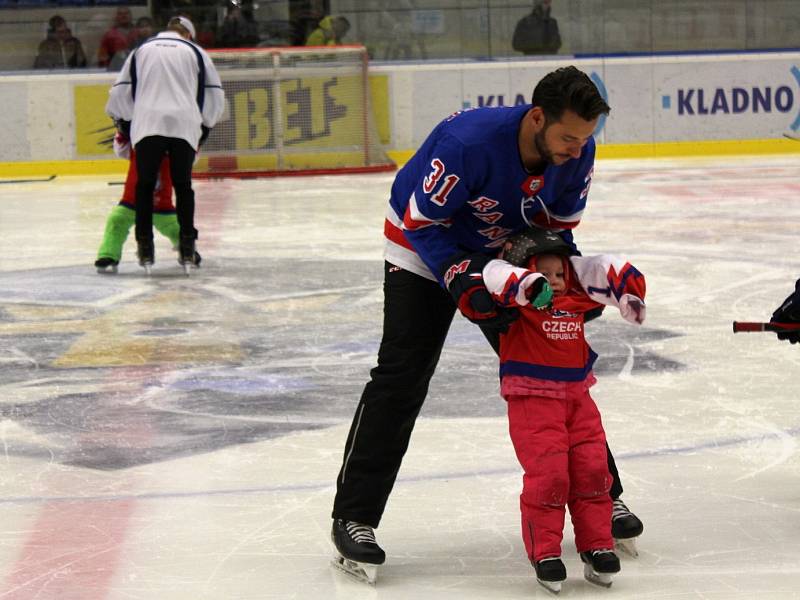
519,248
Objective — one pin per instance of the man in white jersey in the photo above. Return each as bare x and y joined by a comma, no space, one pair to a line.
169,95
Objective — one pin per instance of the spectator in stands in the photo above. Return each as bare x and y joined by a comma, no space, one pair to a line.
144,31
398,33
329,32
60,49
206,25
537,33
304,17
238,31
117,39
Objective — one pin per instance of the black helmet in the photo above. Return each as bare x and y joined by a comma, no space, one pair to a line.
519,248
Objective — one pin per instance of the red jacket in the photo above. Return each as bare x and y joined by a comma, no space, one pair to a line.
550,344
162,197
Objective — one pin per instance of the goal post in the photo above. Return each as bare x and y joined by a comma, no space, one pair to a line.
294,110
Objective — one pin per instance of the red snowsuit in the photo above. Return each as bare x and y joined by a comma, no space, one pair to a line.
545,370
162,198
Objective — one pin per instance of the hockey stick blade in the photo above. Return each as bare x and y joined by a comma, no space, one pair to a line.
790,136
41,180
755,326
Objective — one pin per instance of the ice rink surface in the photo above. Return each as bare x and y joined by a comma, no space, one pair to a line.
178,438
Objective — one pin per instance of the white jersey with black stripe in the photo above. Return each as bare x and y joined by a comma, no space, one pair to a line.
169,87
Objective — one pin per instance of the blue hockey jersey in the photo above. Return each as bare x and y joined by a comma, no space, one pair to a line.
466,189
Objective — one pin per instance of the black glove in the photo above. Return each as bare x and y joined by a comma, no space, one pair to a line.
463,276
789,312
124,127
204,131
591,315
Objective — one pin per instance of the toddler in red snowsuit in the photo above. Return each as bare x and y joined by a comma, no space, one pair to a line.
546,373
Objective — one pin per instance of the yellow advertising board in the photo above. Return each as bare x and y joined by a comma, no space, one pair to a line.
93,127
323,121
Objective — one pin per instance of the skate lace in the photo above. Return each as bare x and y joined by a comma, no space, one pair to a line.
360,533
619,510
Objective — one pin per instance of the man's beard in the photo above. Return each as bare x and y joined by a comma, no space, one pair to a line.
541,147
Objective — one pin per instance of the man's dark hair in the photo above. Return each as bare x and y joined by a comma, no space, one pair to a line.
55,22
569,88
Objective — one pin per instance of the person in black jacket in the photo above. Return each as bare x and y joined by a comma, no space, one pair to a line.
789,312
537,33
60,49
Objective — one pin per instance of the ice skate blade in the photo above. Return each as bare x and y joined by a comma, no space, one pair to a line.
628,546
364,572
188,267
592,576
554,587
148,268
109,270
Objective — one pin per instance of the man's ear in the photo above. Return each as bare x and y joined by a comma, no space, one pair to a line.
537,115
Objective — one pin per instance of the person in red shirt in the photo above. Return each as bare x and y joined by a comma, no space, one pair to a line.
118,38
546,373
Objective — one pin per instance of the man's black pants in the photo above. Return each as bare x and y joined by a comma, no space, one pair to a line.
417,316
150,151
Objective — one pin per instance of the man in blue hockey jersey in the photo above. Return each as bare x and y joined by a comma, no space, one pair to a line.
480,176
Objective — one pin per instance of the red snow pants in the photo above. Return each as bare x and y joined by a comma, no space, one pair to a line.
162,198
560,443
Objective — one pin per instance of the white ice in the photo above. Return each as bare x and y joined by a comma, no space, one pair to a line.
178,438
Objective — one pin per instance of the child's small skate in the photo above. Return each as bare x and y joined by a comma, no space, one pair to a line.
104,265
600,566
550,573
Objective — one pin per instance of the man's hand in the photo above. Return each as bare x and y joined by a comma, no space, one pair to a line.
204,133
591,315
123,127
463,277
789,312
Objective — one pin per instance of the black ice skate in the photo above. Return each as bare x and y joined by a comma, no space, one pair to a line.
104,264
550,573
599,566
146,254
358,553
625,528
187,255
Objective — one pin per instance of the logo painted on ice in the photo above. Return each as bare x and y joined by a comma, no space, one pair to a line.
737,100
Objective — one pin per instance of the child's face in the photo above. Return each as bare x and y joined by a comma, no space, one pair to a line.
552,267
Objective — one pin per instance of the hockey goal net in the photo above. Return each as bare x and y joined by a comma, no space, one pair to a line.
293,111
